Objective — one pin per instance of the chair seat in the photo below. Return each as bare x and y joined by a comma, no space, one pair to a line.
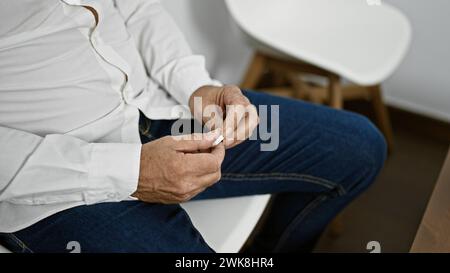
226,223
3,250
361,42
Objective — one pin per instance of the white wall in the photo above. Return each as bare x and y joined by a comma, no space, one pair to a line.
422,83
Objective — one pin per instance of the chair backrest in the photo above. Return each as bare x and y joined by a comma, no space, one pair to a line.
362,42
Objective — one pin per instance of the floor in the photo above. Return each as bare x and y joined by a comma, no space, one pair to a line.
390,212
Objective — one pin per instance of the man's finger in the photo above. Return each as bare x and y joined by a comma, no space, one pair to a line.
196,142
235,114
208,180
219,153
246,127
204,182
199,164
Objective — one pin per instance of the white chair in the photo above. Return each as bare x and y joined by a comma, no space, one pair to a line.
3,250
352,39
226,223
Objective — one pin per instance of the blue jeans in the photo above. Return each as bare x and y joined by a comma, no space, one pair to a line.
325,159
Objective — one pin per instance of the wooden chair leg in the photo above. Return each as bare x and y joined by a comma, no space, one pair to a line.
298,87
381,114
255,71
335,92
279,78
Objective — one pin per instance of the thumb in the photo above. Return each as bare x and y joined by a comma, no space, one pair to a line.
196,142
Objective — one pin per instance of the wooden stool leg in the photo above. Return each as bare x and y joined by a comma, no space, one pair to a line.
335,92
254,72
279,78
298,87
382,115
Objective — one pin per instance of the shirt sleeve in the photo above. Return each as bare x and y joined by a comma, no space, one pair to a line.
58,169
166,53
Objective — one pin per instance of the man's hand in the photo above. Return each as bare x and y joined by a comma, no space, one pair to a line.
175,169
240,119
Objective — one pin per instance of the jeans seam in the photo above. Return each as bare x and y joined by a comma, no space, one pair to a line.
286,176
20,243
290,227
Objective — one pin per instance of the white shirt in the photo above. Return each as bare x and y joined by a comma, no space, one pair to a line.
70,93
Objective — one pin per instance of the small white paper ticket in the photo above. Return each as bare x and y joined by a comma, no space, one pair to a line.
218,141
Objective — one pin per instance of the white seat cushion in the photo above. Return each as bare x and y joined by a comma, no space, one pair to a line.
226,223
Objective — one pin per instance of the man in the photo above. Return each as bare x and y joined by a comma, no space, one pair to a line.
87,97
